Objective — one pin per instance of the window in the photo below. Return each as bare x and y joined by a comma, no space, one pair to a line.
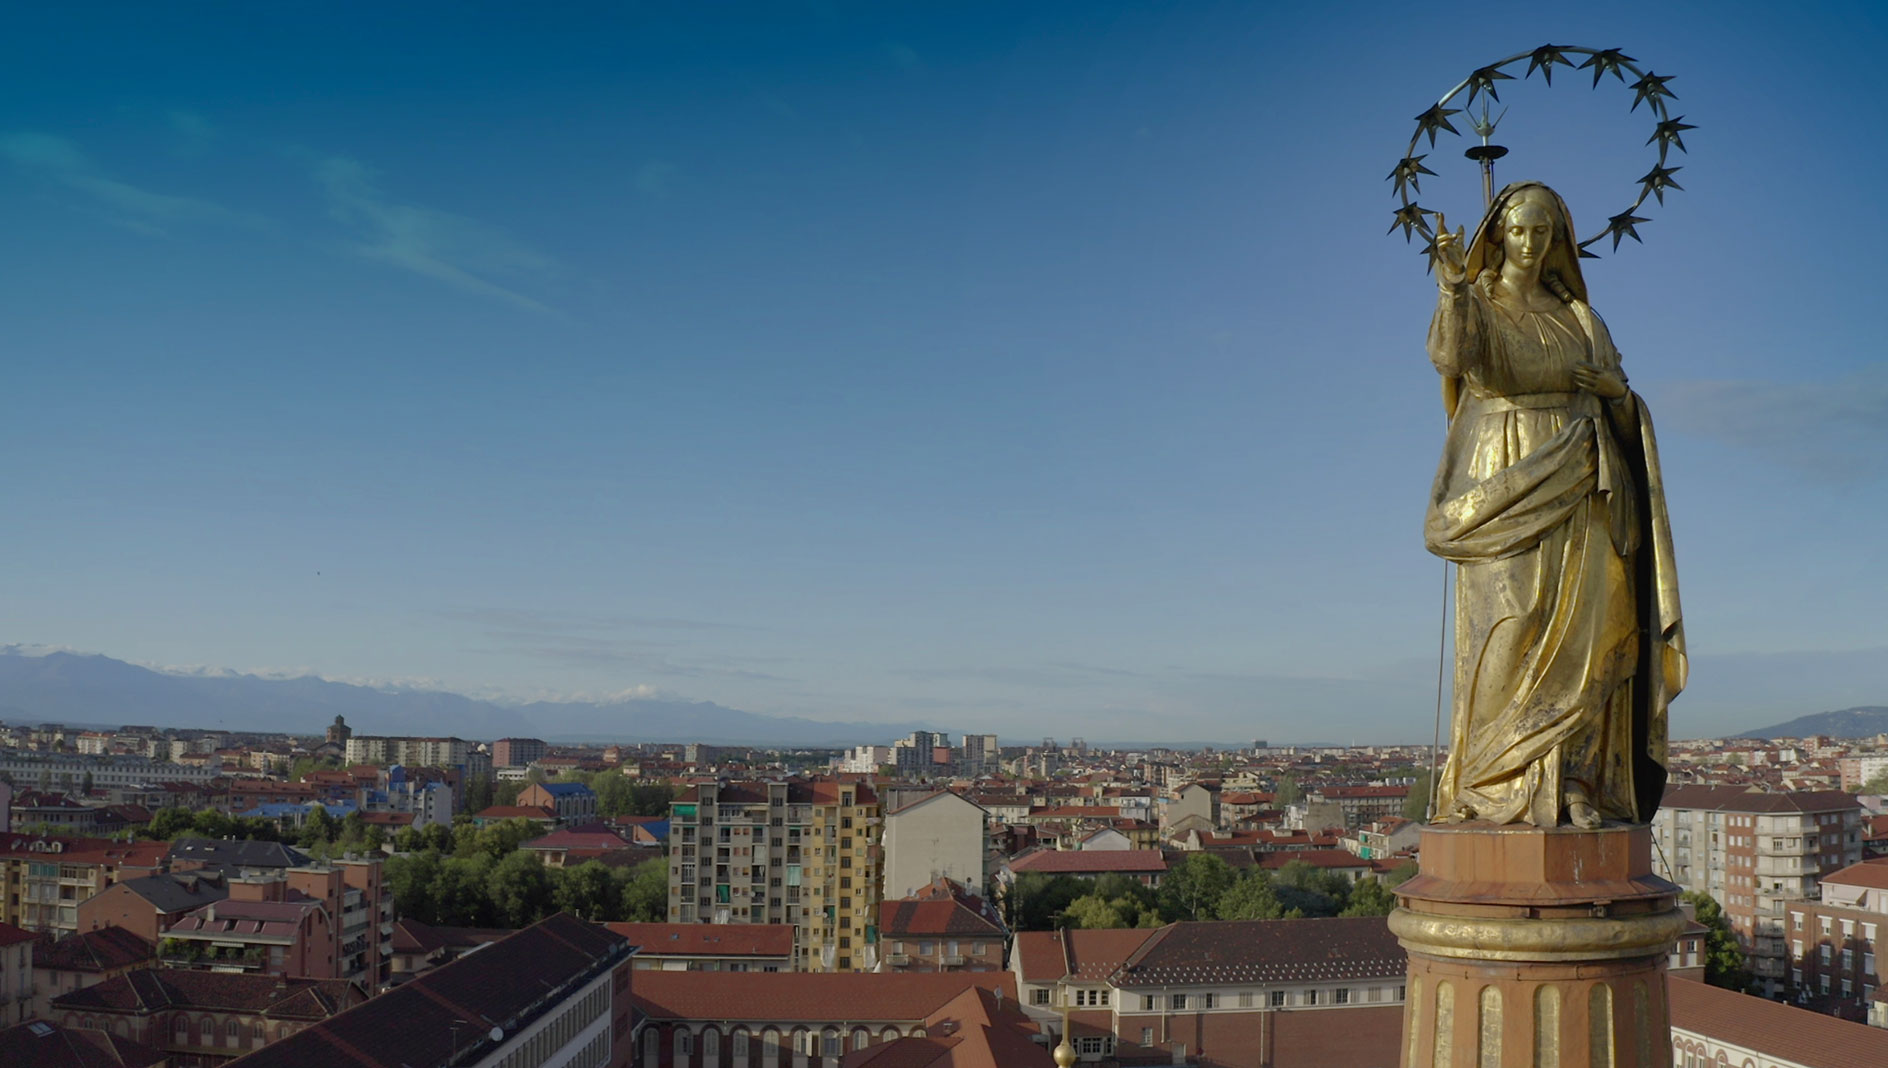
1340,996
829,1044
1147,1036
1277,999
1824,952
1311,997
1039,996
1177,1002
711,1043
1092,1045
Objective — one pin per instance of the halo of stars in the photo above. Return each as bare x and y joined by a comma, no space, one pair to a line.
1647,87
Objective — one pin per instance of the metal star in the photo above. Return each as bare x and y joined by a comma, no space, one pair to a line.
1544,59
1429,253
1410,218
1406,171
1658,180
1652,87
1621,225
1483,81
1436,118
1667,135
1608,60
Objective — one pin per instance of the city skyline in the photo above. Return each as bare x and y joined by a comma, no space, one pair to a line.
976,367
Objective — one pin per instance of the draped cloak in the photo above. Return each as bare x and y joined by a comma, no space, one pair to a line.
1569,640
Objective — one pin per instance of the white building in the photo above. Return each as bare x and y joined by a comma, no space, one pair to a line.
941,834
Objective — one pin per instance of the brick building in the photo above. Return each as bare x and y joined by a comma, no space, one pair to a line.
203,1019
1834,942
517,752
757,1020
941,928
1756,853
556,993
1240,994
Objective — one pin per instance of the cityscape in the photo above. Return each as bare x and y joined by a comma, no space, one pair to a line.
194,897
842,534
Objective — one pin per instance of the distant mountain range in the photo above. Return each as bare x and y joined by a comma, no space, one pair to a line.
1861,722
74,688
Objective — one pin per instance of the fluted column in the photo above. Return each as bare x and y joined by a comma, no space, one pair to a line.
1541,948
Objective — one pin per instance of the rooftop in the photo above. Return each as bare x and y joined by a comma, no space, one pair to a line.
839,997
1781,1031
1073,861
709,939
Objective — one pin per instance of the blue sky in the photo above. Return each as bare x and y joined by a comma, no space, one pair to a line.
1038,368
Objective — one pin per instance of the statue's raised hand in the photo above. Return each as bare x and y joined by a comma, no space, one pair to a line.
1450,258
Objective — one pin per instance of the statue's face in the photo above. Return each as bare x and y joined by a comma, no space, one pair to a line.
1527,233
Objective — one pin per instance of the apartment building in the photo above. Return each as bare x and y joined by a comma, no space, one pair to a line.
1756,853
43,879
1834,941
797,852
517,752
982,753
421,752
941,928
16,974
323,921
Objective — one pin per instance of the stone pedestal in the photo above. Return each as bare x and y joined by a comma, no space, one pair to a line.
1536,948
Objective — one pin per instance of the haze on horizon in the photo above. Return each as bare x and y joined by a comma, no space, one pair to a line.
1041,370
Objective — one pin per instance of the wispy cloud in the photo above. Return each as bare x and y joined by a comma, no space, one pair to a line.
1832,430
449,248
62,163
652,645
1053,675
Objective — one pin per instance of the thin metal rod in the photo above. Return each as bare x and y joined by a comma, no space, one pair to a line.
1442,661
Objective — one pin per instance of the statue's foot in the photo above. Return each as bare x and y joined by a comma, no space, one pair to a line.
1581,813
1456,814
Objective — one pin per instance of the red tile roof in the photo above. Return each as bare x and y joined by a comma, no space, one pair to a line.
1317,858
709,939
1872,874
791,997
1046,956
975,1029
510,812
1781,1031
13,936
104,950
1741,799
40,1044
150,990
1090,861
594,836
937,918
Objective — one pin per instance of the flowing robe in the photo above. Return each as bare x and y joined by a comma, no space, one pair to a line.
1568,638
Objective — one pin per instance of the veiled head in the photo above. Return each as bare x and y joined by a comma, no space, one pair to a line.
1527,206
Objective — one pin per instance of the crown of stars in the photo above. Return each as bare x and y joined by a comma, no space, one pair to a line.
1648,88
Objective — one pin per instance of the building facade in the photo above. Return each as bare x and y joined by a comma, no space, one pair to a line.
1834,942
941,835
794,852
1756,853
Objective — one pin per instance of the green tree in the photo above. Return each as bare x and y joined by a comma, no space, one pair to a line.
1251,898
646,892
588,890
1190,890
436,836
651,798
412,877
1401,874
459,893
1369,898
1724,963
1035,899
1876,785
1309,890
318,827
1115,886
171,823
1285,791
478,794
1416,805
520,890
504,793
1094,912
497,840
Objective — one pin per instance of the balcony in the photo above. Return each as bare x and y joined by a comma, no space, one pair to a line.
897,960
955,960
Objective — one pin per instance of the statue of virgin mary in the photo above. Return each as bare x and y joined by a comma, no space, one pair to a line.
1569,644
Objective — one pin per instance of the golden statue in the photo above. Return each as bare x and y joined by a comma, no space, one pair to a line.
1568,639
